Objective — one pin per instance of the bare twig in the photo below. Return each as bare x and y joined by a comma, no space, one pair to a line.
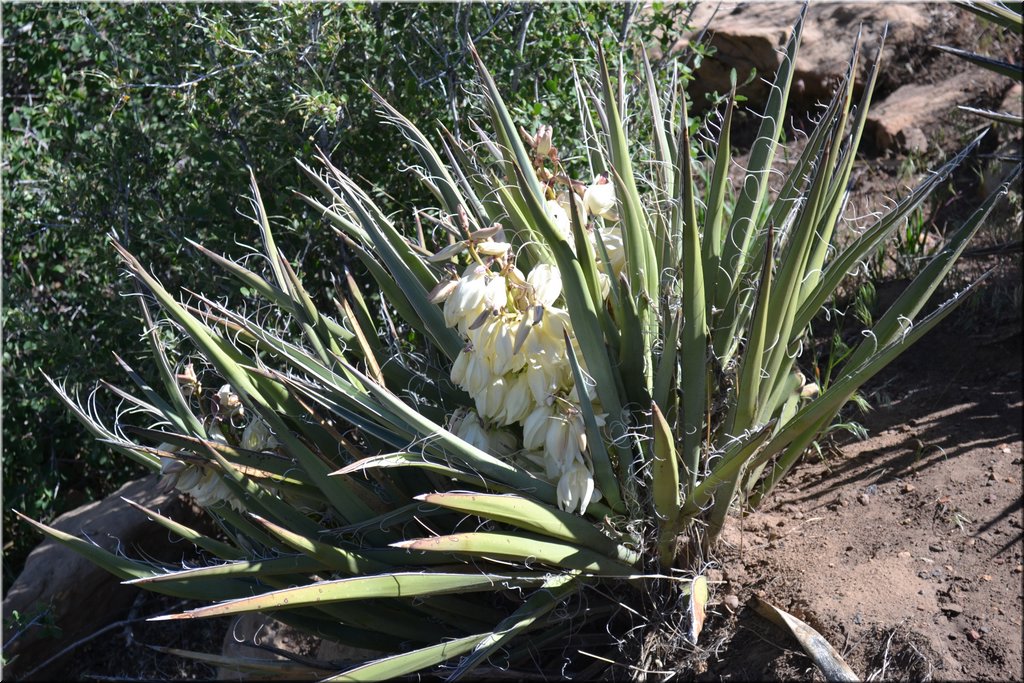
94,635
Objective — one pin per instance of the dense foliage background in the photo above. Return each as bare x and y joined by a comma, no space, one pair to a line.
141,120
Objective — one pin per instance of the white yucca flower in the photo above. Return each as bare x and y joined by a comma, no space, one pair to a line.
535,427
576,488
600,198
611,237
257,436
546,284
518,400
581,207
560,217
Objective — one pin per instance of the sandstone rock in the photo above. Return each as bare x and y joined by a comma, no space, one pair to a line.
898,121
753,35
77,596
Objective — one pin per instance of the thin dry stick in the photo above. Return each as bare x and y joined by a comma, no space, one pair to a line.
92,636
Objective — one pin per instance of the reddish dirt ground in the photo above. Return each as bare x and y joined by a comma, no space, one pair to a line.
904,550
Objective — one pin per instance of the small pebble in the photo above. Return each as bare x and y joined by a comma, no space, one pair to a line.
731,602
973,635
903,553
908,487
986,577
863,499
1018,569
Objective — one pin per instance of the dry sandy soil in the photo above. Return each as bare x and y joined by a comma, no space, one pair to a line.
904,549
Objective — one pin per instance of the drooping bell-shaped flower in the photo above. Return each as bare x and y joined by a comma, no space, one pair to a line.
560,218
581,207
535,428
257,436
546,283
600,198
495,339
466,301
490,400
611,237
518,400
576,487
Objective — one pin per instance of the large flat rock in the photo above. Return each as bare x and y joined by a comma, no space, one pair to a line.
75,596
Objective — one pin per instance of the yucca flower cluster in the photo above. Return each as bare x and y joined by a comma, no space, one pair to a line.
514,364
205,485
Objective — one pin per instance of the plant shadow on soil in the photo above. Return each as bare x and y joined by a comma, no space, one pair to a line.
903,550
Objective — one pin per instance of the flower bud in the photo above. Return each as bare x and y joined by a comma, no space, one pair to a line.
809,390
188,381
448,252
543,140
492,248
442,290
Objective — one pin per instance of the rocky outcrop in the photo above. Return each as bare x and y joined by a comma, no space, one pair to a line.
749,36
69,593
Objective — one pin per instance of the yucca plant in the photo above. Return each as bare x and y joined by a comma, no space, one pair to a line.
536,426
